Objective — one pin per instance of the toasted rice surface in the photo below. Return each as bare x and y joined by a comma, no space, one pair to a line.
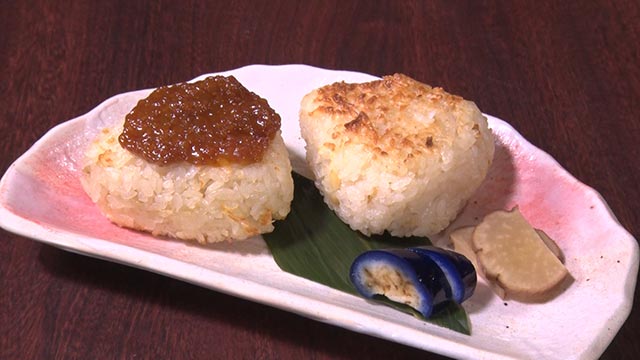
395,154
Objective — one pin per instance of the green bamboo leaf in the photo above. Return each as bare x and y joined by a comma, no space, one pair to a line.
312,242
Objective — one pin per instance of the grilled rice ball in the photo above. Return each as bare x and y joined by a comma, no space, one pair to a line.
394,154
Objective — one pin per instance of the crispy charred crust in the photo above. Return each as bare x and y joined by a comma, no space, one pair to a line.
362,126
429,142
362,120
389,117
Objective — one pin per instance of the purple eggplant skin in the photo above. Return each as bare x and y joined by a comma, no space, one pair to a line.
459,270
425,275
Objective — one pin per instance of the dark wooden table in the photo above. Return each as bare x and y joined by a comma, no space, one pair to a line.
565,74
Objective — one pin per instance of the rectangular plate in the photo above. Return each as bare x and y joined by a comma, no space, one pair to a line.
601,256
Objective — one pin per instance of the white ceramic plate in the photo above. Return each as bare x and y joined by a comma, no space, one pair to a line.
41,198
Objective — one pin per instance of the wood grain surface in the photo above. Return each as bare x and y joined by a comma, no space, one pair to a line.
565,74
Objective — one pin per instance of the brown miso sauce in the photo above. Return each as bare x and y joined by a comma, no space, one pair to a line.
216,121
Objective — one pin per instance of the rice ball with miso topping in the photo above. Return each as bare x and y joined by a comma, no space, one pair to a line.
394,154
200,161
